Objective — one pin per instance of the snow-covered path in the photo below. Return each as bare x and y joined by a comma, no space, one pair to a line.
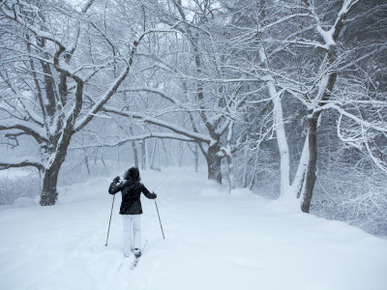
213,241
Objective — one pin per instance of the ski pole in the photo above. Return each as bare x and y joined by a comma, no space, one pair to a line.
110,221
158,214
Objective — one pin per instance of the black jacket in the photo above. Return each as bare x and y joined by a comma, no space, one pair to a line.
131,192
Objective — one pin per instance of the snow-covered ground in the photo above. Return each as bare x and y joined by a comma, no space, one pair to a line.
213,241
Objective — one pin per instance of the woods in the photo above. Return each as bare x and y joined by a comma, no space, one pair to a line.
288,96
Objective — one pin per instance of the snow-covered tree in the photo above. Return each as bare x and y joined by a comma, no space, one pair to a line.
297,51
193,101
59,67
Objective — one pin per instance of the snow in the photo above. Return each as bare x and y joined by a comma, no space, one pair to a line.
214,240
15,173
327,36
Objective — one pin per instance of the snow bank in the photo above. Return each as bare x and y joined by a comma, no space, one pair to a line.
214,240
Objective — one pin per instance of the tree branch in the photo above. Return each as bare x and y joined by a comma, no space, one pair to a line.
21,163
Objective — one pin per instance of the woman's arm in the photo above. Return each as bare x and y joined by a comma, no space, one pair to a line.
147,193
115,186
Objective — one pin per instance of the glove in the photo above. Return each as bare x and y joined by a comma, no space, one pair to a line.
116,179
155,195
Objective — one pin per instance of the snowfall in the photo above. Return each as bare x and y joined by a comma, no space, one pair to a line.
213,240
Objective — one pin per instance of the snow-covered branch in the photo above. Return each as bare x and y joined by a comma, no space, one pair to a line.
163,124
20,162
330,36
122,141
377,125
26,127
81,123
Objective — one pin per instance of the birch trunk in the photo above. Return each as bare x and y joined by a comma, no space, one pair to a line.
282,142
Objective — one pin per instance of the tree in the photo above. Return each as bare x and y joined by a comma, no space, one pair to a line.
194,85
315,40
49,89
321,95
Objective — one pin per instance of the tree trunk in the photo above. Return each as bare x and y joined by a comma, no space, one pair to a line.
282,142
135,153
135,150
152,157
143,152
310,178
230,174
214,162
196,157
49,191
87,164
103,162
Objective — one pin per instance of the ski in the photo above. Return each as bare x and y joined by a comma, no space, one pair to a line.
137,259
135,263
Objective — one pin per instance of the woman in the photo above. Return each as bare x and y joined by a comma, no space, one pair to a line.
131,209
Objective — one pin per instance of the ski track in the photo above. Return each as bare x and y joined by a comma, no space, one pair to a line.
213,241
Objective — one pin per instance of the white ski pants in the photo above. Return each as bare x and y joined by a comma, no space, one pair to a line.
132,232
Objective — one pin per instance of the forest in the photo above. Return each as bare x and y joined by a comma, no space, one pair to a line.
285,97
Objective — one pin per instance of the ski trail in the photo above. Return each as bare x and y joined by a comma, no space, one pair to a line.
168,188
220,241
123,277
181,202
